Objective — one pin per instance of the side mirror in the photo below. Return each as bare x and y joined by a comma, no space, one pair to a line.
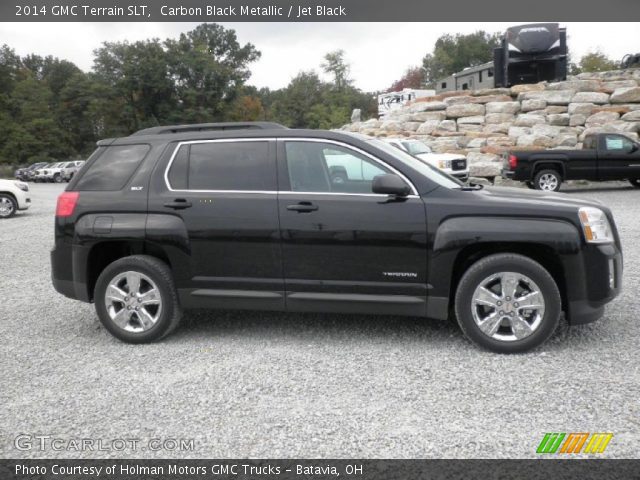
389,184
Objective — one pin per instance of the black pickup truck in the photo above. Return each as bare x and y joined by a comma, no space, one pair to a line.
605,156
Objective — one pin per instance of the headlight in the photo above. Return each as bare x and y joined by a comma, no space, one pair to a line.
444,163
595,225
22,186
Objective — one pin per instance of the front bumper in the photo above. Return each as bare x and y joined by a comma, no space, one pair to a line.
461,175
593,279
25,204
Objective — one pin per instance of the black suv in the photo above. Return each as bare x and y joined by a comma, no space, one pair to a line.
249,216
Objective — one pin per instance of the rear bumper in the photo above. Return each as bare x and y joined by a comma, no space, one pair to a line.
67,276
508,174
596,281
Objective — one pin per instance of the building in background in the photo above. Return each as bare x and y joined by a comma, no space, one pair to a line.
471,78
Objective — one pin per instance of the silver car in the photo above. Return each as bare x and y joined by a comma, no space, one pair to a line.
71,168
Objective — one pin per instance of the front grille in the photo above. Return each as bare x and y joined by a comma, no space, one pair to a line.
459,164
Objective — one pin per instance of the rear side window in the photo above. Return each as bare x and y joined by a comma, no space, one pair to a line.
113,168
241,166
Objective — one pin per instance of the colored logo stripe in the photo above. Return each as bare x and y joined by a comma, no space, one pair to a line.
574,442
598,442
550,443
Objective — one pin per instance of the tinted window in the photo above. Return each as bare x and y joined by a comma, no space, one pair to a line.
240,166
113,168
321,167
179,169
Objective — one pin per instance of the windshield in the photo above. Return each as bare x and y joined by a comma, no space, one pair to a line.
432,173
416,147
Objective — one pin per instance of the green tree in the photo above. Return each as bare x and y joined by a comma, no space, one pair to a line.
10,65
208,67
138,74
34,131
593,62
453,53
290,107
336,65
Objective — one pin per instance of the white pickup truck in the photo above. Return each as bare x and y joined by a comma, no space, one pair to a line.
451,163
14,196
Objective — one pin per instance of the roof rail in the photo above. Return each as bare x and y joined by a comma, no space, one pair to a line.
206,127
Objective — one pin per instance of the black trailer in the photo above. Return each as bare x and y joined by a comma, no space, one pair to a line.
530,54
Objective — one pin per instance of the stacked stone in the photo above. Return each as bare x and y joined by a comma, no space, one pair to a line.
482,124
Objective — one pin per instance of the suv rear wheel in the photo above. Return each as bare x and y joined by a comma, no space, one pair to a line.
136,299
507,303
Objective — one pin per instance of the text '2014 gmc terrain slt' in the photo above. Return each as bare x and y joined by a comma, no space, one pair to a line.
246,216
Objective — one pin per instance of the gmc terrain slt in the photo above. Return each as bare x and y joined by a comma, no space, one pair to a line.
248,216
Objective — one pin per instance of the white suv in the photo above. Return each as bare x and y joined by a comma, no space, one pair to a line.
54,173
14,196
451,163
45,174
71,169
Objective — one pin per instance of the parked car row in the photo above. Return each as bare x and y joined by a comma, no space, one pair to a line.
49,172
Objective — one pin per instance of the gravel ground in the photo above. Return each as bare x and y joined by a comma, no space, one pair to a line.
289,386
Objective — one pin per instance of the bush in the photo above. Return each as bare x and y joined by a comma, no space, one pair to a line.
7,171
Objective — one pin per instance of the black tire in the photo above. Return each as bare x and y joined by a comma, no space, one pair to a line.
9,206
507,262
548,174
159,272
635,182
57,178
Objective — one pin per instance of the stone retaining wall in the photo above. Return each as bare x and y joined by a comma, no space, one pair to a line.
482,124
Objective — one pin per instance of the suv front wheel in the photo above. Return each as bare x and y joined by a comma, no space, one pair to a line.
8,205
136,299
507,303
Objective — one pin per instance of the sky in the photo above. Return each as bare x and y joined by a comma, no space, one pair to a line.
378,53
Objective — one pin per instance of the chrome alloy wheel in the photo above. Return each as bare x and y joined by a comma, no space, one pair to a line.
508,306
133,302
6,207
548,182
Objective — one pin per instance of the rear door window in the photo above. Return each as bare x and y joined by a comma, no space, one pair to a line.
113,168
226,166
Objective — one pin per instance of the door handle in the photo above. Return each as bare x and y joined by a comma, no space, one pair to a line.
303,207
178,204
